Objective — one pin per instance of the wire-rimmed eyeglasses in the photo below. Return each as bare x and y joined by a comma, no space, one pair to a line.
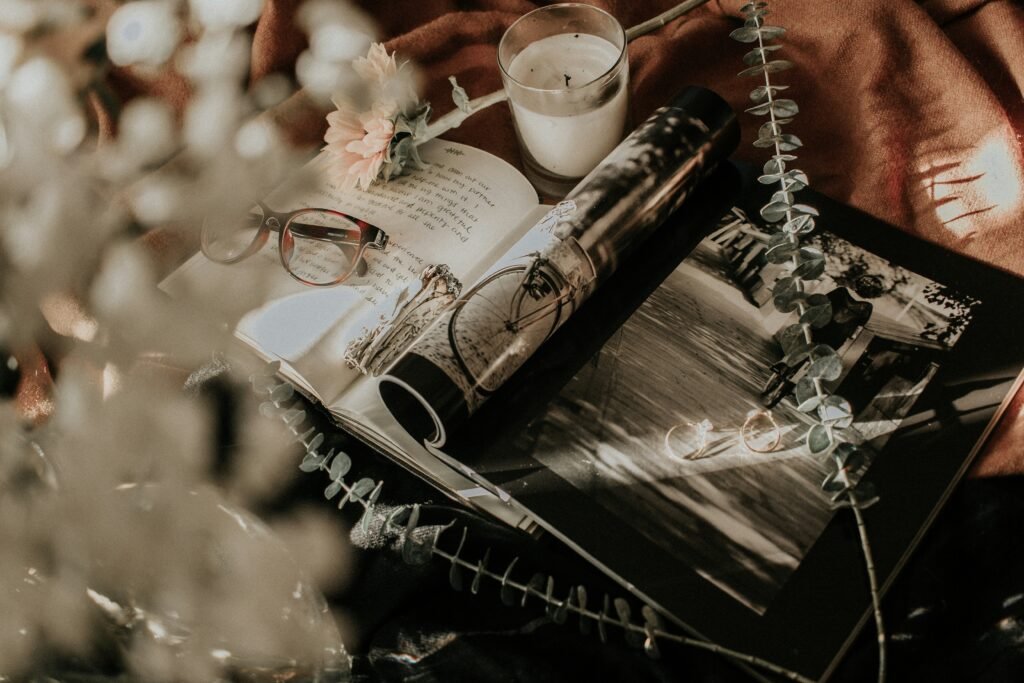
318,247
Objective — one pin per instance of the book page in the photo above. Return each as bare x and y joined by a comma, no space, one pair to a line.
451,212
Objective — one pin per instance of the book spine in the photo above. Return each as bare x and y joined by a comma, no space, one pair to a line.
503,318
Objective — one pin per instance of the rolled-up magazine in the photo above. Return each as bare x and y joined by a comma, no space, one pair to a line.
498,322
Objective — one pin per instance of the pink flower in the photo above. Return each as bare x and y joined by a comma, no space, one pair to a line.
357,145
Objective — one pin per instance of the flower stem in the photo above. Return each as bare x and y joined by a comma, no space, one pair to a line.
657,22
455,117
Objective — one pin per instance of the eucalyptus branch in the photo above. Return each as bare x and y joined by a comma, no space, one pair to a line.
790,293
455,117
613,613
278,403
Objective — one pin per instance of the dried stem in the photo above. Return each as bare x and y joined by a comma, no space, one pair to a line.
869,563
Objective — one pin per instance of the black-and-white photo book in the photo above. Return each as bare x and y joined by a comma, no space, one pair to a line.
667,447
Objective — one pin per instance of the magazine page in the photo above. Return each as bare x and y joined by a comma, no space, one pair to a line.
670,449
445,219
505,316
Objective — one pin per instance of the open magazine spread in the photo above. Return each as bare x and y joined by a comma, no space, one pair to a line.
459,231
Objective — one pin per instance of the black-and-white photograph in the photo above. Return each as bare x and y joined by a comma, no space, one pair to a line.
685,424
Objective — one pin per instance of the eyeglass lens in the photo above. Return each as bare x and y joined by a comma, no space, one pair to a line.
227,239
315,255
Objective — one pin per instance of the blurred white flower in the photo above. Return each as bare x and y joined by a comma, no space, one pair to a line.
255,139
317,14
155,200
146,130
338,42
143,32
10,51
322,78
41,94
272,90
211,120
19,15
217,56
218,14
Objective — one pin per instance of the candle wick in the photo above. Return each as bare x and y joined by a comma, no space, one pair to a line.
567,79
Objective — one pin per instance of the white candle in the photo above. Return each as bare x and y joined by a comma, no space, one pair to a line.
569,145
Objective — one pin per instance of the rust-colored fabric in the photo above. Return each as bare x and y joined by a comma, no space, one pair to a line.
911,111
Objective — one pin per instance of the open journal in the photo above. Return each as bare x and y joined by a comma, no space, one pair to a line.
610,369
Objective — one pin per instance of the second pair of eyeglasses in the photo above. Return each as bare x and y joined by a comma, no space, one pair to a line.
317,247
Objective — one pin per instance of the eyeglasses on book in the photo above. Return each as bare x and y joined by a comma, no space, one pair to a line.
318,247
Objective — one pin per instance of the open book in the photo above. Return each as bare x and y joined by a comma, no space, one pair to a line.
462,232
610,369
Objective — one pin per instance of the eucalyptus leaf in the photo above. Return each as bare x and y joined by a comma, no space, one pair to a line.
316,443
785,286
811,263
771,32
282,392
311,462
798,355
268,409
340,466
774,66
759,54
784,108
787,303
836,411
799,224
774,212
796,177
747,34
652,624
805,209
478,575
792,338
625,615
852,459
807,397
818,311
333,489
602,616
362,487
412,552
782,197
562,611
508,593
789,142
581,600
774,167
534,587
818,439
455,577
779,250
762,92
